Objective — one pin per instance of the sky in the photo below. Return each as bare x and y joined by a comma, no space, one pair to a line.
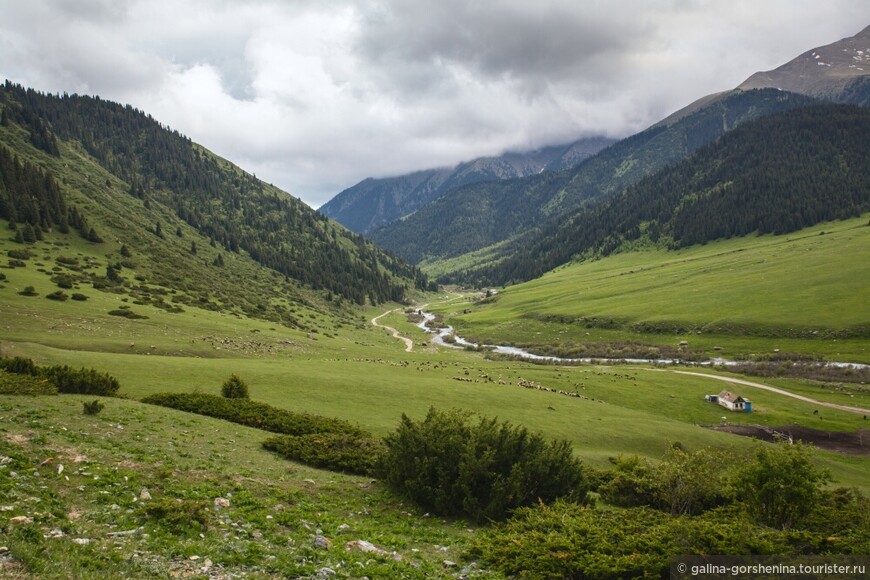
316,95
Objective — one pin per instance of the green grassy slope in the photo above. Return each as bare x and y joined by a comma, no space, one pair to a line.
804,292
359,373
274,510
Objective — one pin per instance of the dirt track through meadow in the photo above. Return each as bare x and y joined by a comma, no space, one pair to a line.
409,344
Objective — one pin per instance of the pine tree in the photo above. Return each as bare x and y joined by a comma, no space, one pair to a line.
28,235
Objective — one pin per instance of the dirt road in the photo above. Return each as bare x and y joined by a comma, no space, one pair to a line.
847,408
409,344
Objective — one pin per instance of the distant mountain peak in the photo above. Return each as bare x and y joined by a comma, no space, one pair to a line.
822,72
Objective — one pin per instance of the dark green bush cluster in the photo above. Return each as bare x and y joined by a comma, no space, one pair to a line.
566,540
65,378
83,381
93,408
18,365
683,483
778,487
336,451
453,466
708,503
252,414
235,388
125,312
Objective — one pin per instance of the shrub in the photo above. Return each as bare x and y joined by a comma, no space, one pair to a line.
126,313
59,295
252,414
18,365
19,254
683,483
29,291
23,384
235,388
63,281
336,451
65,378
780,486
93,408
178,517
79,297
567,540
483,470
83,381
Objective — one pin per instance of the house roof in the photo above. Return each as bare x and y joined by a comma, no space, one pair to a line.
731,397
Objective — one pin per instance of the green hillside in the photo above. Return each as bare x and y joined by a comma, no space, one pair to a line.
804,292
124,163
773,175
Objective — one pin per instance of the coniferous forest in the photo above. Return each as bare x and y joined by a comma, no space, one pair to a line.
234,209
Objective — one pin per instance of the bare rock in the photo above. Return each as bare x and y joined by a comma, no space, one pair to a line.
322,542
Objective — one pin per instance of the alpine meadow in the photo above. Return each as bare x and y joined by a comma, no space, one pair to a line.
599,354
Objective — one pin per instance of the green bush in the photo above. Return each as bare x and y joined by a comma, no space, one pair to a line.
780,486
252,414
682,483
64,281
180,517
18,365
483,470
24,384
235,388
83,381
565,540
336,451
58,295
79,297
65,378
19,254
29,291
126,313
93,408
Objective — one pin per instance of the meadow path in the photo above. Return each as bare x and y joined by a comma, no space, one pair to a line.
409,344
847,408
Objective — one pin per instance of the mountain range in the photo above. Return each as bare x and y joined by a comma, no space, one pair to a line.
479,223
373,203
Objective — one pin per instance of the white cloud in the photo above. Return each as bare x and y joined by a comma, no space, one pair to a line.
316,95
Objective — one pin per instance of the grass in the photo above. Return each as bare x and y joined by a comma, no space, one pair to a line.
804,292
349,370
98,525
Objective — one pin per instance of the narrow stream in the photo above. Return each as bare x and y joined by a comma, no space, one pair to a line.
460,342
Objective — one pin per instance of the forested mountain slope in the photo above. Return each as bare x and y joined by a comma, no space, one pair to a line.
479,215
155,171
774,175
373,203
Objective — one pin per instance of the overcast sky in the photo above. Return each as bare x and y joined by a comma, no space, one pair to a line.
314,96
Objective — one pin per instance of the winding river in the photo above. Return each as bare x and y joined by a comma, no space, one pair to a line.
459,342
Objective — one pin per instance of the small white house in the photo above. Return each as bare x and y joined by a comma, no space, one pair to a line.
734,402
